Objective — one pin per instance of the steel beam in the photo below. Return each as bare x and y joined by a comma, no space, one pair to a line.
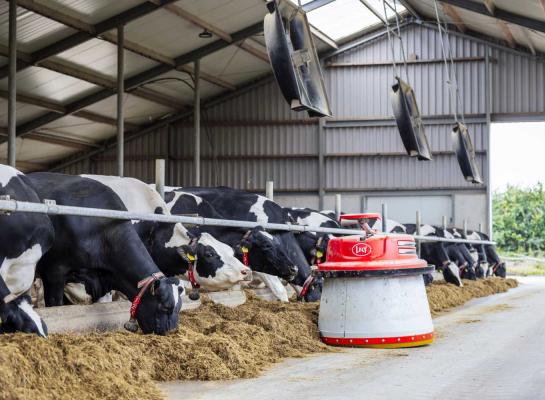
139,79
321,163
81,36
120,94
389,63
197,125
455,17
507,34
102,119
499,13
12,84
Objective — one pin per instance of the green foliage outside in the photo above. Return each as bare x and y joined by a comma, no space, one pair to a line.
519,219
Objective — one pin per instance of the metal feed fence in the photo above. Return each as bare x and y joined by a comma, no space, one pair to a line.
49,207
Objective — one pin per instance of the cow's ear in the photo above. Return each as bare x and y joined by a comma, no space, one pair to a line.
194,233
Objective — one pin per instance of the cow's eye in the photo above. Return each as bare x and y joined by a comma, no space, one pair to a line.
209,254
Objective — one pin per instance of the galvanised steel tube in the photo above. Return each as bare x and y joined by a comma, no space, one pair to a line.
53,209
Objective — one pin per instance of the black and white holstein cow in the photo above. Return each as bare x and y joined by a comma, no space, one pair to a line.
255,247
171,245
240,205
313,244
104,254
487,254
24,238
473,257
265,252
443,255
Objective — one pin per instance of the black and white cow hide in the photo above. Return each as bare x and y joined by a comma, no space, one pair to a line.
312,242
217,268
24,238
266,253
103,254
437,253
240,205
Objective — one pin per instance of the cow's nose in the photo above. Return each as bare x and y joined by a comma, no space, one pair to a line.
293,270
247,274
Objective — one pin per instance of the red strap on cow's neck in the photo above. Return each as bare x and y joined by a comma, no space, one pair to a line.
306,286
191,275
143,285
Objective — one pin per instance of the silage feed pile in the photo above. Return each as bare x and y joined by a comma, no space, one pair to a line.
443,296
213,342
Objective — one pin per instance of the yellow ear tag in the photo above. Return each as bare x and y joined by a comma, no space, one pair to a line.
244,249
191,257
319,254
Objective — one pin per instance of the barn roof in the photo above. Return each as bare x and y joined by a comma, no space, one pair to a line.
67,57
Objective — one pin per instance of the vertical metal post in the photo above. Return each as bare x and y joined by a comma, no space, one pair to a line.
12,85
197,124
338,206
488,110
444,222
120,94
480,226
321,163
465,227
160,177
384,217
418,223
269,190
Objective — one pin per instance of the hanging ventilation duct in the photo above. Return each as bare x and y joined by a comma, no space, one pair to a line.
465,153
409,122
293,58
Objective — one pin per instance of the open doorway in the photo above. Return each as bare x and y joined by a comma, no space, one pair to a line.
517,179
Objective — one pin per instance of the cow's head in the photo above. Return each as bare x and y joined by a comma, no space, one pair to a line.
313,245
267,254
216,267
469,271
296,254
160,306
500,270
19,316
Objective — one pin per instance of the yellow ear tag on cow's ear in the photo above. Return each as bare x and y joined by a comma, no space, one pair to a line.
319,254
244,249
191,257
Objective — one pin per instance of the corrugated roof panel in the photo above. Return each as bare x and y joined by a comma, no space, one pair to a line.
25,112
50,84
80,128
235,65
33,31
529,8
137,110
94,11
38,152
230,16
165,33
101,56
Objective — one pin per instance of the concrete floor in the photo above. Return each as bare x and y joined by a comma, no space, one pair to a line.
491,348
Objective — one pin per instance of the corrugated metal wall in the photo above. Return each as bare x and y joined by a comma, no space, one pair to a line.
254,137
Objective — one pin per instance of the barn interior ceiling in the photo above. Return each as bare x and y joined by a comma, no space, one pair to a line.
67,57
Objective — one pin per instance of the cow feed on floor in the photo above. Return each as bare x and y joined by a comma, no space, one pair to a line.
214,342
443,296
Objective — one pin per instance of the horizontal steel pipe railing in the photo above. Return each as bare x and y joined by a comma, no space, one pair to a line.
55,209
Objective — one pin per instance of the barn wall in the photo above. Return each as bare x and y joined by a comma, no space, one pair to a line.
254,137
